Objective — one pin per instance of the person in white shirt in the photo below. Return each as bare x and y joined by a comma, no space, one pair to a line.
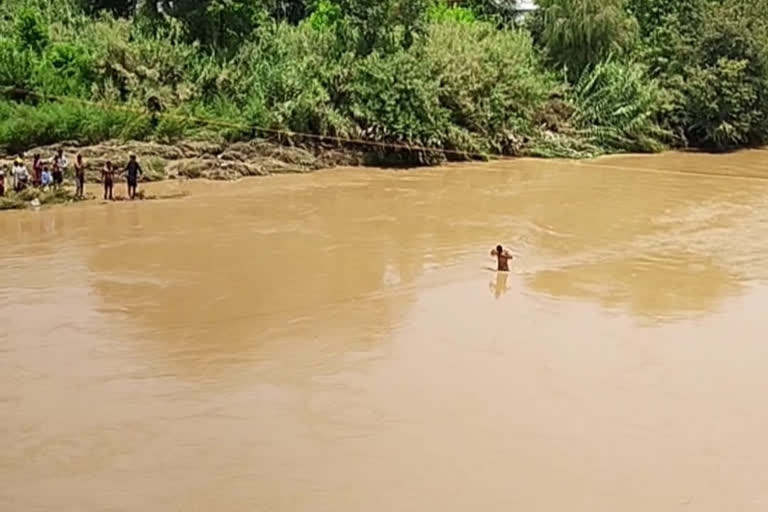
60,165
20,175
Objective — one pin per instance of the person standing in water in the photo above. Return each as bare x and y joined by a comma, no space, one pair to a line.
60,165
133,171
108,178
79,177
502,256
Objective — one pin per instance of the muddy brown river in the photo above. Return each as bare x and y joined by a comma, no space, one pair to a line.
338,342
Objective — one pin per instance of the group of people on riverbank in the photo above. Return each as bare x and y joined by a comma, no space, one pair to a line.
50,173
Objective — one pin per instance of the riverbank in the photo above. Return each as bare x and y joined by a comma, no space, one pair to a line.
184,160
195,159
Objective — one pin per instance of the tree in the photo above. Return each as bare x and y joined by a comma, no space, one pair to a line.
222,24
578,34
652,14
218,24
116,7
726,77
712,60
384,25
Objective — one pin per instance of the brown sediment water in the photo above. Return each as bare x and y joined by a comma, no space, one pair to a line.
337,342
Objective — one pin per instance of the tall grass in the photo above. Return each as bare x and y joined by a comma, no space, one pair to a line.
580,33
24,126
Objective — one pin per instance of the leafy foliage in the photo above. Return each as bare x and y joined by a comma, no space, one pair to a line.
443,12
491,82
614,75
324,15
652,14
24,126
580,33
395,98
713,61
617,106
30,31
385,25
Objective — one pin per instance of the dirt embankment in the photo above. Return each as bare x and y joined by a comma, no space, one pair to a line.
199,159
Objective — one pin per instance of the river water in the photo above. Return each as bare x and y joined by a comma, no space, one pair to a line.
338,342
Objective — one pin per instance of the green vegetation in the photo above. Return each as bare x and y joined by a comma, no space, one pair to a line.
577,78
24,199
578,34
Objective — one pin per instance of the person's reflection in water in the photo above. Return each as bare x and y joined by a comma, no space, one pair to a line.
500,286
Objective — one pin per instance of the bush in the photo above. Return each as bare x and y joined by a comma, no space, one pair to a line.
441,12
16,65
324,15
726,105
381,25
491,82
713,61
292,78
578,34
395,98
25,126
618,106
30,30
653,14
171,128
65,69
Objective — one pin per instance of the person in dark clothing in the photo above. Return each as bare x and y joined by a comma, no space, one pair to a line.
108,178
37,169
79,177
58,177
133,171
